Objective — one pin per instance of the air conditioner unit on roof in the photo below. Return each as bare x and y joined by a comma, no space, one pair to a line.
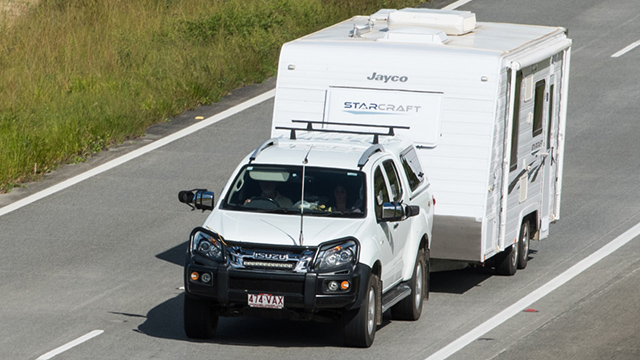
451,22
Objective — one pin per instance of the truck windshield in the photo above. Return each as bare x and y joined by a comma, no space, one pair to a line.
278,189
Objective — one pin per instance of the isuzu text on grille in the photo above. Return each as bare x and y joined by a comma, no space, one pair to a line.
268,256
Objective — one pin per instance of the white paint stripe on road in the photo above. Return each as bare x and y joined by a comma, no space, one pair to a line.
456,4
626,50
70,345
137,153
536,295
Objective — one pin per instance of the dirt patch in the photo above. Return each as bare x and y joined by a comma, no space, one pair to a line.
12,9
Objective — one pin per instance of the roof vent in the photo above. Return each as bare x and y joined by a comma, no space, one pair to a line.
451,22
381,15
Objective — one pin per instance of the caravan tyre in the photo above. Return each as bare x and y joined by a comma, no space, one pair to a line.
523,245
507,261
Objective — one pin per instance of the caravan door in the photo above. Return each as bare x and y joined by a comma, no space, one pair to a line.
551,146
528,146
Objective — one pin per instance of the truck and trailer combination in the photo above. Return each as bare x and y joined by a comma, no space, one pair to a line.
396,107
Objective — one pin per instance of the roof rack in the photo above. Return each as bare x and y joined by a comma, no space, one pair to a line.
310,127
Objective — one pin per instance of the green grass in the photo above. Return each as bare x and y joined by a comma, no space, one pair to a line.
77,76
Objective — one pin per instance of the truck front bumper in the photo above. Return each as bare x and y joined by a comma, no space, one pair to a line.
228,287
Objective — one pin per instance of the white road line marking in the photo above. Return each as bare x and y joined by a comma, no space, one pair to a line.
137,153
536,295
456,4
626,50
70,345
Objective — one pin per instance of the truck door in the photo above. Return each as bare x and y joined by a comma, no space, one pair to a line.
391,235
400,229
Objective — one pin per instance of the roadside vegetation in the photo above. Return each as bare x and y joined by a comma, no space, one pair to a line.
77,76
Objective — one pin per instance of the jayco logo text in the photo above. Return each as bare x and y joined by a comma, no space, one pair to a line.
386,78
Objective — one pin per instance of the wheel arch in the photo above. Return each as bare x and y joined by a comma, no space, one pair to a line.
532,218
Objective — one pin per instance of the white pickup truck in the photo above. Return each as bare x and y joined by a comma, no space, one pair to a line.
316,225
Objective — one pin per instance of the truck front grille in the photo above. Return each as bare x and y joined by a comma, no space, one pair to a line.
252,256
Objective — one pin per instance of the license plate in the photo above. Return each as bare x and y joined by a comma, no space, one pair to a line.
266,301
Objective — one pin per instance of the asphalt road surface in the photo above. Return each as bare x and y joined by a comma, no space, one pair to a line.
94,270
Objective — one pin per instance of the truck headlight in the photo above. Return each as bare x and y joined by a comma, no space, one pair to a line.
207,244
337,256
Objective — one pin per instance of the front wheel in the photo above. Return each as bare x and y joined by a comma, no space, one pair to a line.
359,325
200,322
410,308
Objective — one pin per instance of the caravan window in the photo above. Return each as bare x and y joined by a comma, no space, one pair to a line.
550,122
516,123
538,108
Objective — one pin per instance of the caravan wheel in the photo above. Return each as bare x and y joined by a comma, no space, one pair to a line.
523,245
507,261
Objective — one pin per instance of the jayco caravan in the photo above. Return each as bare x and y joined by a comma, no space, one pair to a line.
484,102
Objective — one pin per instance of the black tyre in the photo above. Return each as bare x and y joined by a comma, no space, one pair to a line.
523,245
507,261
359,325
410,308
200,322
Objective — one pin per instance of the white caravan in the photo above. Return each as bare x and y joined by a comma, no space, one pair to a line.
485,103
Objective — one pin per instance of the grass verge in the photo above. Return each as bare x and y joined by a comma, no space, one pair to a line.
77,76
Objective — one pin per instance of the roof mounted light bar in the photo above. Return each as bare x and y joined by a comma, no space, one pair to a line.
310,123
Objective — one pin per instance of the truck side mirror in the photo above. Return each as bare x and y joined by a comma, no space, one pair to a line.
393,211
200,199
